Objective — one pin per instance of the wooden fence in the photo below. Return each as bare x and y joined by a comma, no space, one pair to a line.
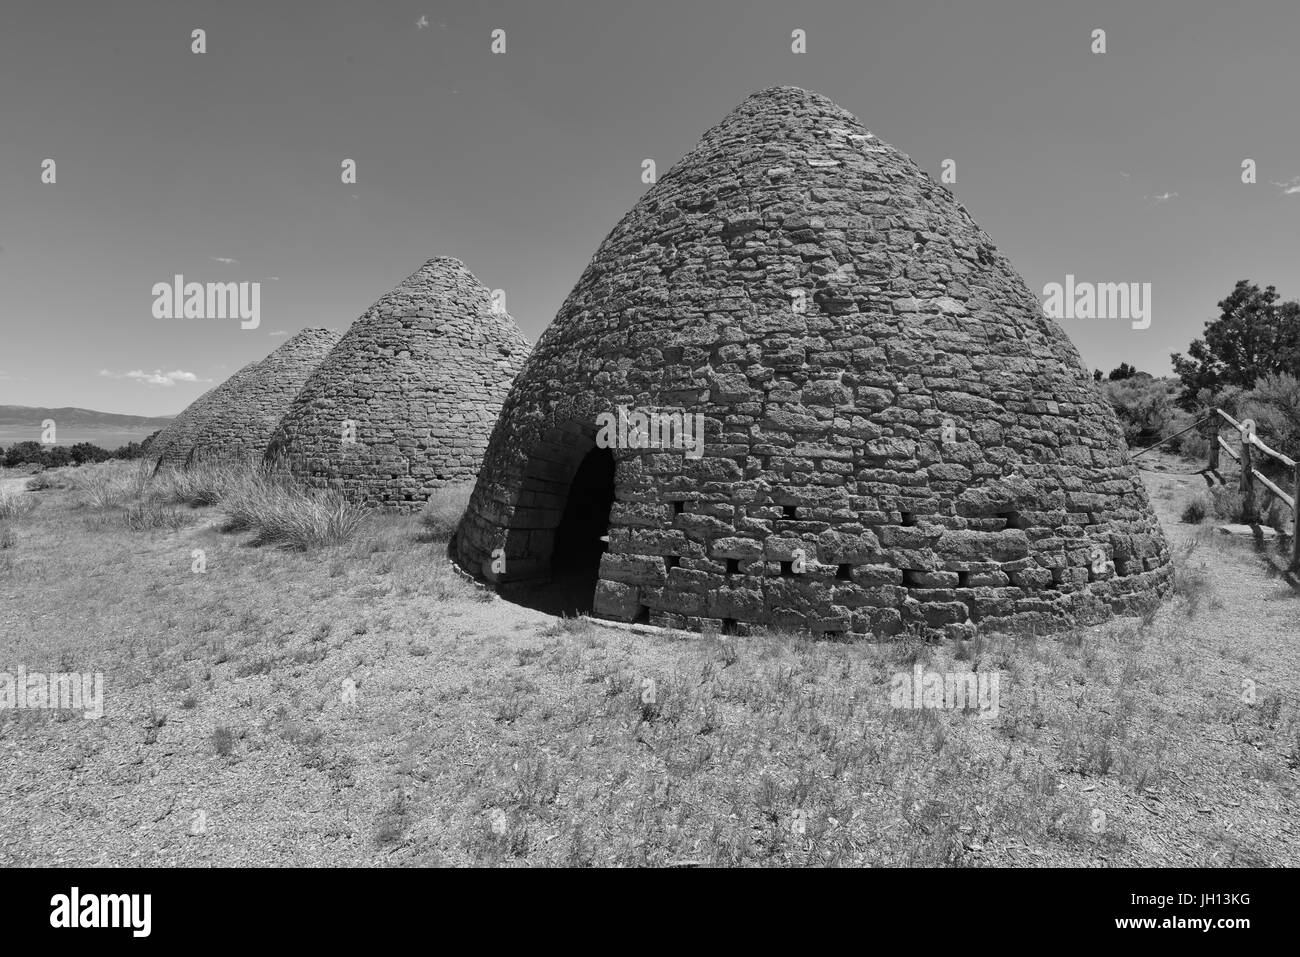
1245,455
1250,445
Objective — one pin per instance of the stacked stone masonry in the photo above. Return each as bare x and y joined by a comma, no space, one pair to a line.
405,402
883,398
171,449
238,430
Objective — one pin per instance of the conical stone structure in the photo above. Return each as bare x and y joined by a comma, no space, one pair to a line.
895,436
236,427
406,401
172,447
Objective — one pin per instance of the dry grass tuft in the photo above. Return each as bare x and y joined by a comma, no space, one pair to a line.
442,514
286,516
14,507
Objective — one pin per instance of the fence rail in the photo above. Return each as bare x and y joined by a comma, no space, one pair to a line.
1250,445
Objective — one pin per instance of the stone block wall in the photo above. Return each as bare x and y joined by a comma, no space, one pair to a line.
896,436
405,402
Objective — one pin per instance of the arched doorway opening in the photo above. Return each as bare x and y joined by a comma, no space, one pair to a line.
580,536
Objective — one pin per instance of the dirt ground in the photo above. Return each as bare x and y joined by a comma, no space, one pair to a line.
363,704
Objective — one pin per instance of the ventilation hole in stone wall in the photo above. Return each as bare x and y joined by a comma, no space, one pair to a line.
963,579
672,561
642,615
1013,519
728,627
733,566
679,507
789,511
787,569
844,573
909,519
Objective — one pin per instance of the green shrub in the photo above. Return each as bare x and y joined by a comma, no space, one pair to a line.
1196,510
1144,406
1229,505
1274,404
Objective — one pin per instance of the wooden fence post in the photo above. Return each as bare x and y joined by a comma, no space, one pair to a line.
1212,431
1247,485
1295,529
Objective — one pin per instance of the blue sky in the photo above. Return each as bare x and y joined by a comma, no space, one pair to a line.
1120,167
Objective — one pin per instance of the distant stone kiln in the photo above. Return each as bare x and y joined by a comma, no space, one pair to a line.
405,402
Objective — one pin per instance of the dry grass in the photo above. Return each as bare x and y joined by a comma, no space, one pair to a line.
15,505
287,517
442,514
364,706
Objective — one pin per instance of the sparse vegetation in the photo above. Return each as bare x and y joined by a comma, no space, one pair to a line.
1196,510
491,734
442,513
14,506
284,516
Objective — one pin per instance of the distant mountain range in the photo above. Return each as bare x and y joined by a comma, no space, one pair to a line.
14,417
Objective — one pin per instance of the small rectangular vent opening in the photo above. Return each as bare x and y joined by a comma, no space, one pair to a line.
789,511
844,573
963,579
733,566
909,519
672,561
728,626
679,507
787,569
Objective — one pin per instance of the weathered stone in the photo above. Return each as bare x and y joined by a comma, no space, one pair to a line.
405,402
896,433
233,423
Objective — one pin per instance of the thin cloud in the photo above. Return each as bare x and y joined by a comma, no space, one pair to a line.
421,23
157,377
1161,197
1291,187
225,260
278,332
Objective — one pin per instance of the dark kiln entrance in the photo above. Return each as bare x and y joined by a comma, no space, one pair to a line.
579,539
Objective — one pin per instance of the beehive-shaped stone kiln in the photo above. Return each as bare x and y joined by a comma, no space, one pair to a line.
236,427
406,401
895,436
171,449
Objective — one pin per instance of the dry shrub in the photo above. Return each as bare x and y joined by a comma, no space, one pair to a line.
15,506
142,516
286,516
442,513
1195,511
108,484
206,484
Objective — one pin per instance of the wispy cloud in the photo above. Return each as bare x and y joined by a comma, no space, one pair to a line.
278,332
224,259
1161,197
1291,187
273,278
421,23
157,377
